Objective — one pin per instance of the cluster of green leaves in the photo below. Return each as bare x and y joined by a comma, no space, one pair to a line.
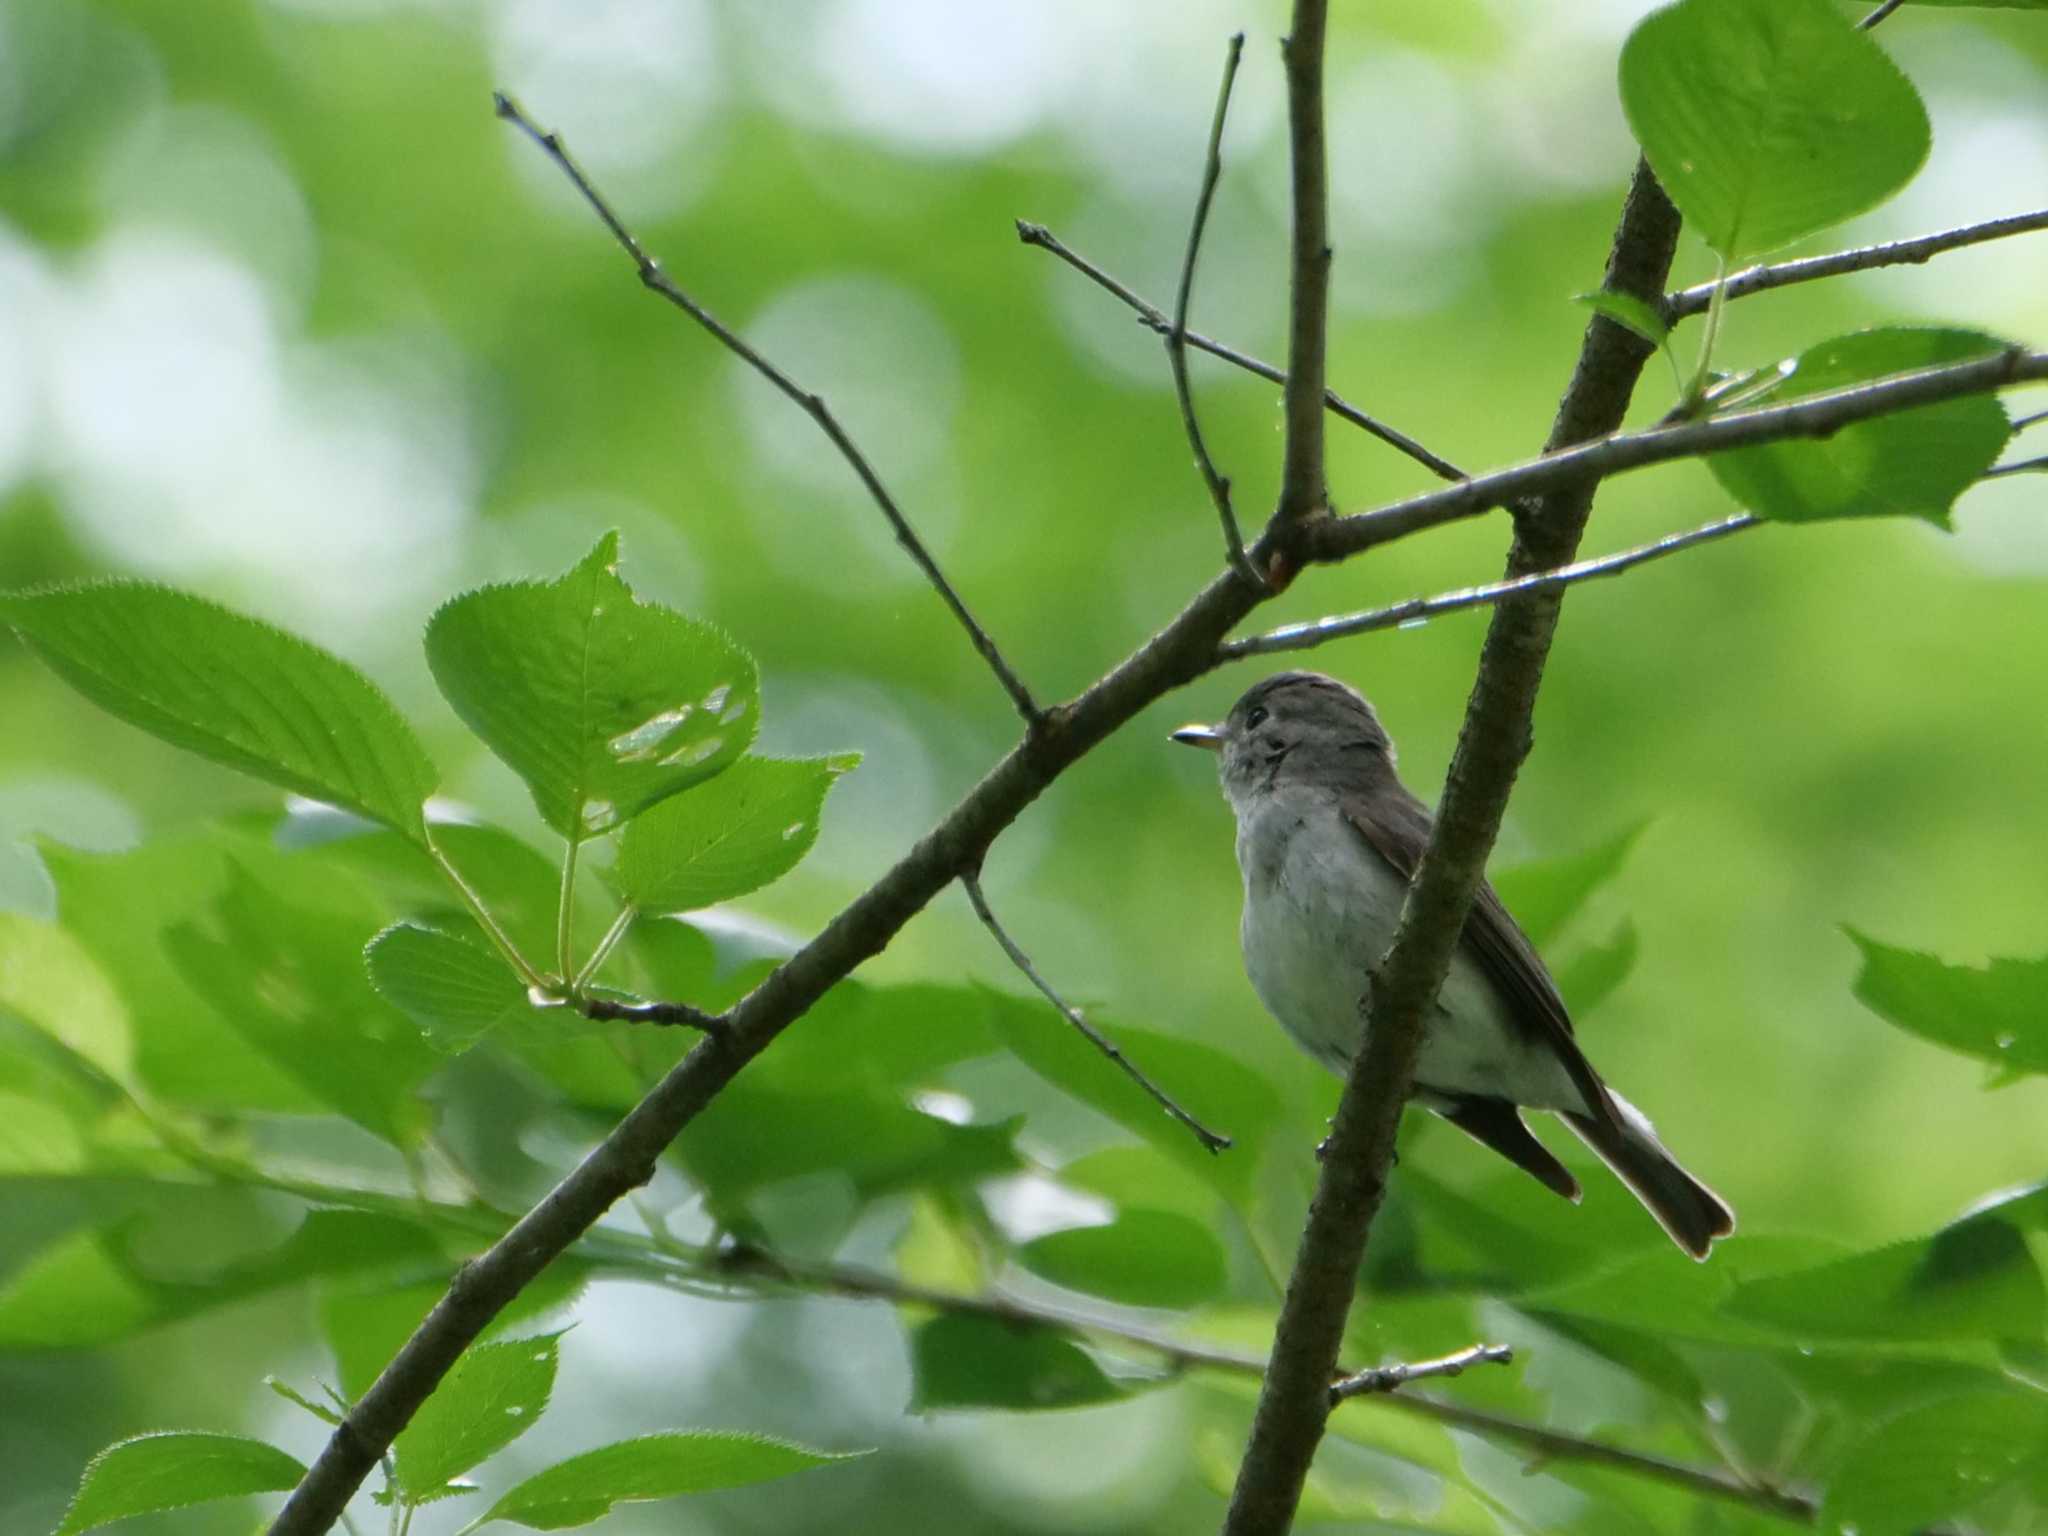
1767,121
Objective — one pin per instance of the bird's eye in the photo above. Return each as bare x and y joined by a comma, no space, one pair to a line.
1256,718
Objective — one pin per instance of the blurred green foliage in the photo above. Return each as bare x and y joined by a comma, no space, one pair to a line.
290,319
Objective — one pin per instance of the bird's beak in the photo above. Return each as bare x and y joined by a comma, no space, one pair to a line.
1200,736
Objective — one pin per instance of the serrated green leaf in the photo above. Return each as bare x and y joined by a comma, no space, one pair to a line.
173,1471
1144,1258
751,825
602,703
456,991
89,1288
1546,894
663,1466
1936,1461
1909,464
1766,120
1993,1012
233,690
365,1325
980,1362
1629,312
493,1396
298,1399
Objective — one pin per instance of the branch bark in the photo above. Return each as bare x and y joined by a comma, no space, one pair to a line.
1304,488
1294,1403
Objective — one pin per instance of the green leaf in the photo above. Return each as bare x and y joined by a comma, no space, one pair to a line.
233,690
49,982
1143,1259
1766,120
1910,464
1545,895
1629,312
456,991
750,825
172,1471
491,1398
1591,976
980,1362
585,1487
365,1325
90,1288
1936,1461
1996,1013
602,703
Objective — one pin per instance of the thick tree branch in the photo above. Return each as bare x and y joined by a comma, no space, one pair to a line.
1818,415
813,405
1155,319
1892,253
1214,1141
1177,335
1294,1402
1304,487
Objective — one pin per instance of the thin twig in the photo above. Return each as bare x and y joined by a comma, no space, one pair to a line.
1304,486
1302,637
1153,318
2017,467
1891,253
1212,1140
605,1009
813,405
1586,463
1379,1379
2021,423
1879,14
1177,337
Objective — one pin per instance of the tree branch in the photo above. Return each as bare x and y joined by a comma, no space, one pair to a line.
1214,1141
814,406
1294,1402
1155,319
1177,336
1380,1379
1302,637
1817,415
1304,487
602,1009
1892,253
2017,467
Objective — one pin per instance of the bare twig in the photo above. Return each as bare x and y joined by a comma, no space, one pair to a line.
813,405
1891,253
1816,415
1177,336
1874,17
1387,1378
1304,487
1155,319
2017,467
1294,1402
2021,423
1301,637
971,883
603,1009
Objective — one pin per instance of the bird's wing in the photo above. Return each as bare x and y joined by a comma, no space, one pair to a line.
1395,825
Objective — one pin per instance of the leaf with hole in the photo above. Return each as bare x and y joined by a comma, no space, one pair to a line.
174,1470
604,704
1766,120
234,690
585,1487
751,825
1908,464
493,1396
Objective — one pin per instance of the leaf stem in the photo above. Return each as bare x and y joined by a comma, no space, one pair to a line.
1711,333
565,916
493,930
605,946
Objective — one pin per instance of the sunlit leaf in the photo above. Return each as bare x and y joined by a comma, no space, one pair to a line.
603,703
1908,464
173,1471
494,1395
233,690
454,990
750,825
980,1362
1766,120
584,1488
49,981
1997,1012
1142,1259
1935,1462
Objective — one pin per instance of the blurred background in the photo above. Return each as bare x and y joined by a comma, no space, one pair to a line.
288,318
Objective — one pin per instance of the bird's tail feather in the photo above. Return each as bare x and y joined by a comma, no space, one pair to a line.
1692,1213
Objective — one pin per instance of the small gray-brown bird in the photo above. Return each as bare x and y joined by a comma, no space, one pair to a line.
1328,839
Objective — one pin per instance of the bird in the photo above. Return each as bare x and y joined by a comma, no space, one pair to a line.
1328,841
